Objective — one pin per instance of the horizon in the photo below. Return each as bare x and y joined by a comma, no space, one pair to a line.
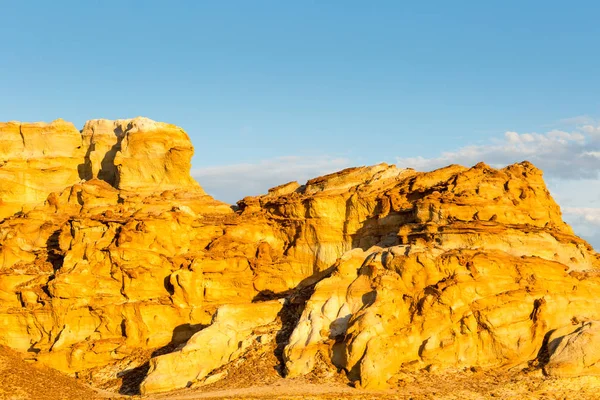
270,92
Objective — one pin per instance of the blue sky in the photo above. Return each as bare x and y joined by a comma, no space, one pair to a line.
277,90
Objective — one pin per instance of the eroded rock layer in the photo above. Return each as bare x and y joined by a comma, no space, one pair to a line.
134,154
459,267
37,159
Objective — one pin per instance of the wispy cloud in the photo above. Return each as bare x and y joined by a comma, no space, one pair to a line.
578,120
589,215
230,183
562,154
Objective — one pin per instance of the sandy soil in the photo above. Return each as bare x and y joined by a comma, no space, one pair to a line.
22,380
254,377
456,387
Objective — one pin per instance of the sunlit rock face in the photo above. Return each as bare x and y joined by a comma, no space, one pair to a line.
234,329
132,154
138,154
481,270
118,250
153,156
37,159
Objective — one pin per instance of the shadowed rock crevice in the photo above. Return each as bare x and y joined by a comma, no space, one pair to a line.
543,356
290,315
55,255
108,170
85,169
131,379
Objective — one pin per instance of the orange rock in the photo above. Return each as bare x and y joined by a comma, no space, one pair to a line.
448,269
37,159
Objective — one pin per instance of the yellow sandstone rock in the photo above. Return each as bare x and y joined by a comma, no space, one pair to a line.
134,154
231,333
37,159
153,156
118,251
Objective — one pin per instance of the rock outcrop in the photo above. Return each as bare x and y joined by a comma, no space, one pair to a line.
454,268
481,275
232,331
574,350
36,160
137,154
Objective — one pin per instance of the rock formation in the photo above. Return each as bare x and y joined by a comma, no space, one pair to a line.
233,330
116,251
37,159
136,154
574,350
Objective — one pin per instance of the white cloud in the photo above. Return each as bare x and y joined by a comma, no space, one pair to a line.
585,221
592,130
569,155
587,214
230,183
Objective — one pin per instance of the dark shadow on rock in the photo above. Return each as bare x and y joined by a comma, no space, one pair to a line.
131,379
180,336
395,228
382,231
168,285
543,356
295,303
311,281
108,169
55,255
85,169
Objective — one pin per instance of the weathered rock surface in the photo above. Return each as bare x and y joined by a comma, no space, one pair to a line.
458,292
574,350
454,268
35,160
138,154
232,331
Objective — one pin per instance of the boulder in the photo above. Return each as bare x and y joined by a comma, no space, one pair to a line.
234,329
574,351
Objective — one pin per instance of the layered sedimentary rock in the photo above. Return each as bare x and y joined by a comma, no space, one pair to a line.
35,160
443,270
138,154
459,267
408,309
489,270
